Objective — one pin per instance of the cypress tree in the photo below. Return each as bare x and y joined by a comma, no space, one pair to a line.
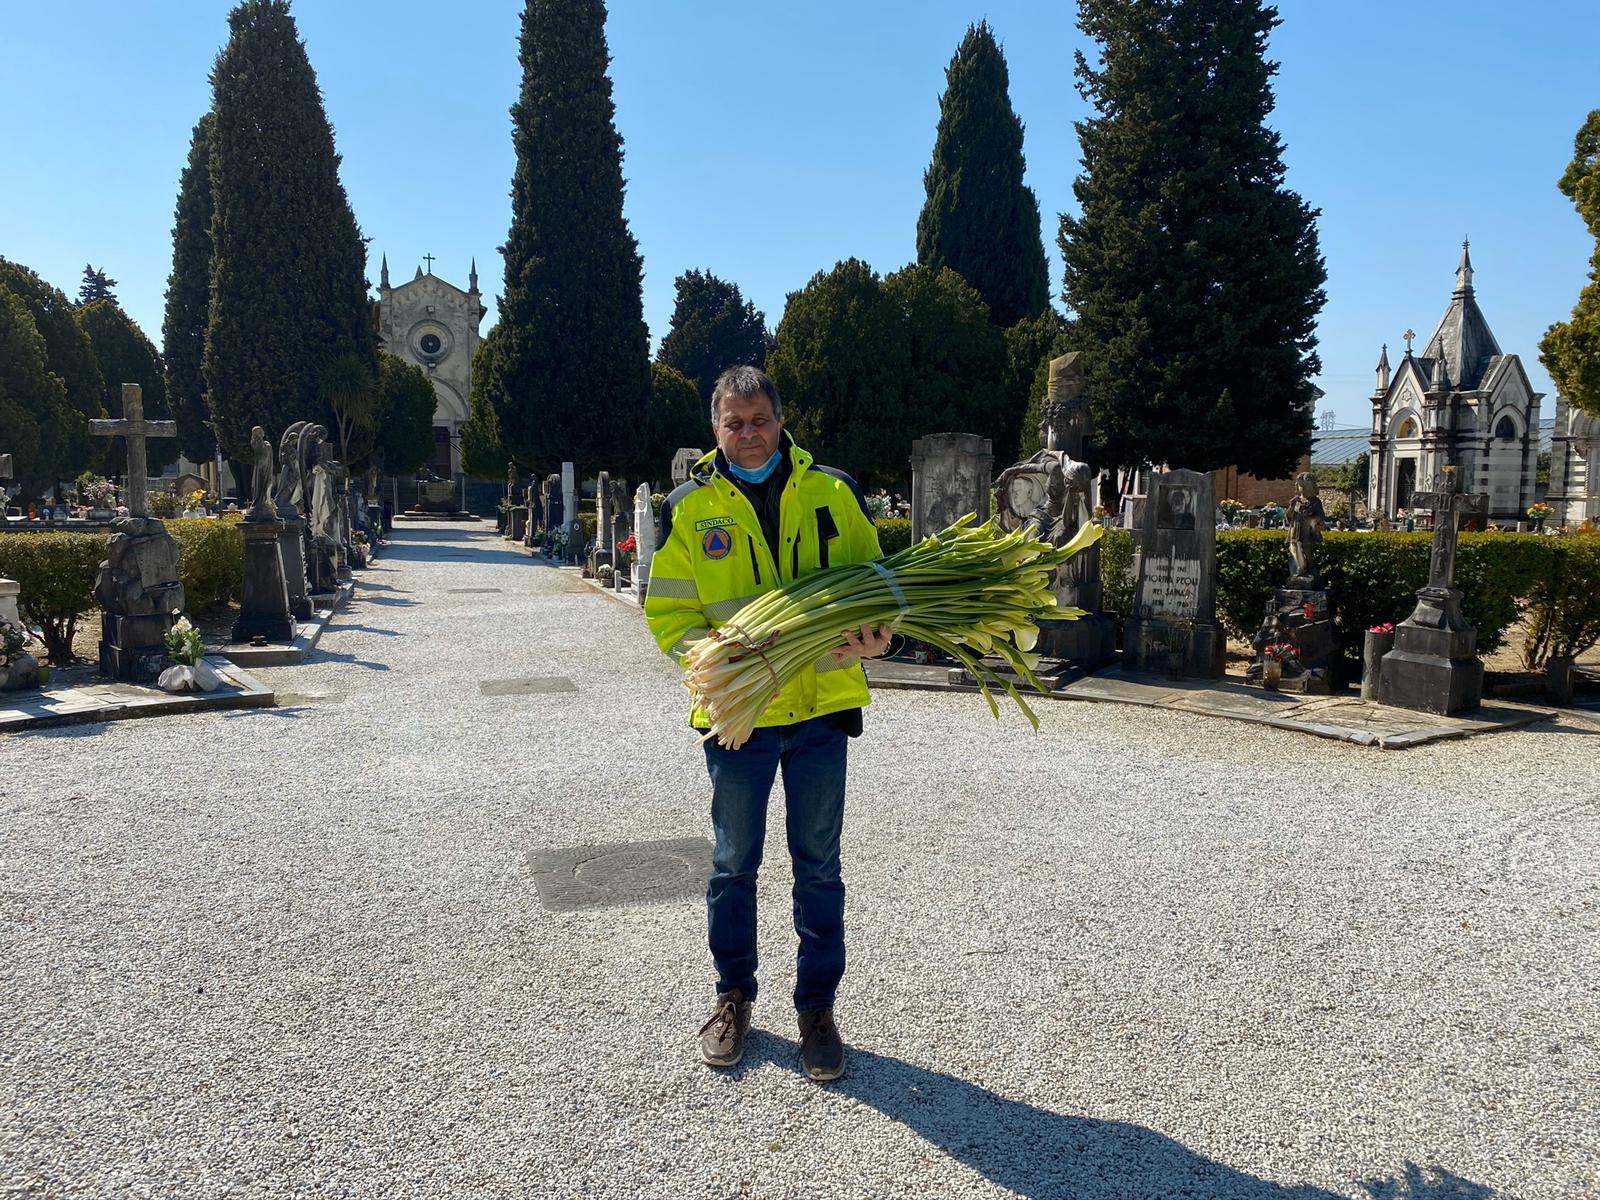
570,376
126,355
979,219
677,416
32,398
713,328
66,444
288,266
483,455
183,329
1193,271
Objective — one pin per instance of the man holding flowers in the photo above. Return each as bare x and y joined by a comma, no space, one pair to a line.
756,514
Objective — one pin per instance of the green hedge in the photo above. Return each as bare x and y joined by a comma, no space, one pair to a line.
210,561
58,571
1374,578
894,534
1116,572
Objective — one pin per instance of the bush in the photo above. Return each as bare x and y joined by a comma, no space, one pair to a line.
1564,604
894,534
210,561
1116,572
1374,577
57,572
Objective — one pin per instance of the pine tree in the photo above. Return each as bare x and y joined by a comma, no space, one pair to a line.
1570,350
183,330
713,328
979,219
1193,271
95,286
677,416
126,355
288,285
571,374
865,366
67,447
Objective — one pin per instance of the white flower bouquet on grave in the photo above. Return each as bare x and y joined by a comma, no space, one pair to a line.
189,672
969,591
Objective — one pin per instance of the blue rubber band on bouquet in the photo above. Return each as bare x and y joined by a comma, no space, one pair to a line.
894,588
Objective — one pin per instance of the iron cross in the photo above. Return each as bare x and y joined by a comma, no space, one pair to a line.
428,258
1448,503
136,429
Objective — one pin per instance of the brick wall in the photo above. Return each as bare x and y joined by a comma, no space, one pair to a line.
1234,484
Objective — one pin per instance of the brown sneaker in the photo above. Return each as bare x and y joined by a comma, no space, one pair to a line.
722,1037
821,1048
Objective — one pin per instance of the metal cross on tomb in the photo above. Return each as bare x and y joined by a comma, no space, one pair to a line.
136,429
1448,503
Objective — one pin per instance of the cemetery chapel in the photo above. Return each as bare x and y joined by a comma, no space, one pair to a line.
434,324
1460,403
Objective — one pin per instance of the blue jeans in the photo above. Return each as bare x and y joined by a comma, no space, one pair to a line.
812,758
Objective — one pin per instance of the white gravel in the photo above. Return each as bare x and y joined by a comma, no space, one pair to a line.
298,952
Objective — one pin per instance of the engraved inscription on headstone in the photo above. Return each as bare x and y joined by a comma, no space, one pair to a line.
1172,589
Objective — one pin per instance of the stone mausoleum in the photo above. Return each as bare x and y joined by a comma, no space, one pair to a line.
434,324
1460,403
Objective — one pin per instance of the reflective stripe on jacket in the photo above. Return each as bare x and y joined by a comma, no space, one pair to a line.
714,559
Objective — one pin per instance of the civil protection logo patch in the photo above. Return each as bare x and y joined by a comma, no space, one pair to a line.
717,543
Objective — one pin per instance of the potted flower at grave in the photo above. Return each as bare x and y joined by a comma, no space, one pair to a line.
1539,514
98,493
1378,642
18,670
630,547
1232,511
194,504
1273,657
189,671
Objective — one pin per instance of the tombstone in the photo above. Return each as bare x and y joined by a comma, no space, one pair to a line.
1052,492
1174,624
605,549
264,596
10,589
516,522
683,461
339,520
575,541
569,492
1434,665
1296,630
138,588
950,475
644,529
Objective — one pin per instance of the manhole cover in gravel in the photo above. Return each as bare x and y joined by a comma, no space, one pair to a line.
532,685
469,591
630,873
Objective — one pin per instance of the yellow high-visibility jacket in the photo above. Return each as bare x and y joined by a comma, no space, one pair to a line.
714,559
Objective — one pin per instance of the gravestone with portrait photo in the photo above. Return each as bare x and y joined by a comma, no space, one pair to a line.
1174,624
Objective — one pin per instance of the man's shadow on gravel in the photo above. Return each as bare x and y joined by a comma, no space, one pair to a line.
1048,1156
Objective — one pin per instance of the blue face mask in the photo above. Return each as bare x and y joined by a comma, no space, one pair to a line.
762,473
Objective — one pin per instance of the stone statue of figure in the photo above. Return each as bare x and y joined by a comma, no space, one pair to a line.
372,484
1051,490
261,478
511,480
288,494
312,439
1306,521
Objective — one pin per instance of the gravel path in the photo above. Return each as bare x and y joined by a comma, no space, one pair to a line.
297,951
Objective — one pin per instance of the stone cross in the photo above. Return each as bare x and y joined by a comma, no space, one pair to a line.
1409,335
1448,503
136,429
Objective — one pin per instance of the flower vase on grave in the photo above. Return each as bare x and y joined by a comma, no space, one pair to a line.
1378,642
1271,673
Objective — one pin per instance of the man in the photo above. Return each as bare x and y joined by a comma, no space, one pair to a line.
756,514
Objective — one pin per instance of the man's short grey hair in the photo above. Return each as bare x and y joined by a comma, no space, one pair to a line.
744,381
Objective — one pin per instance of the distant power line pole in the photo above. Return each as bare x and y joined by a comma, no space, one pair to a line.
1326,420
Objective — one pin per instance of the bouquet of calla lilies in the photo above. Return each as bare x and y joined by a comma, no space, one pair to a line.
969,591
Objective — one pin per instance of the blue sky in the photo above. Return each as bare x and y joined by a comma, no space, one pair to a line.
766,141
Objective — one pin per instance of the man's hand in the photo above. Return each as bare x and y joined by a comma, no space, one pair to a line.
870,644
